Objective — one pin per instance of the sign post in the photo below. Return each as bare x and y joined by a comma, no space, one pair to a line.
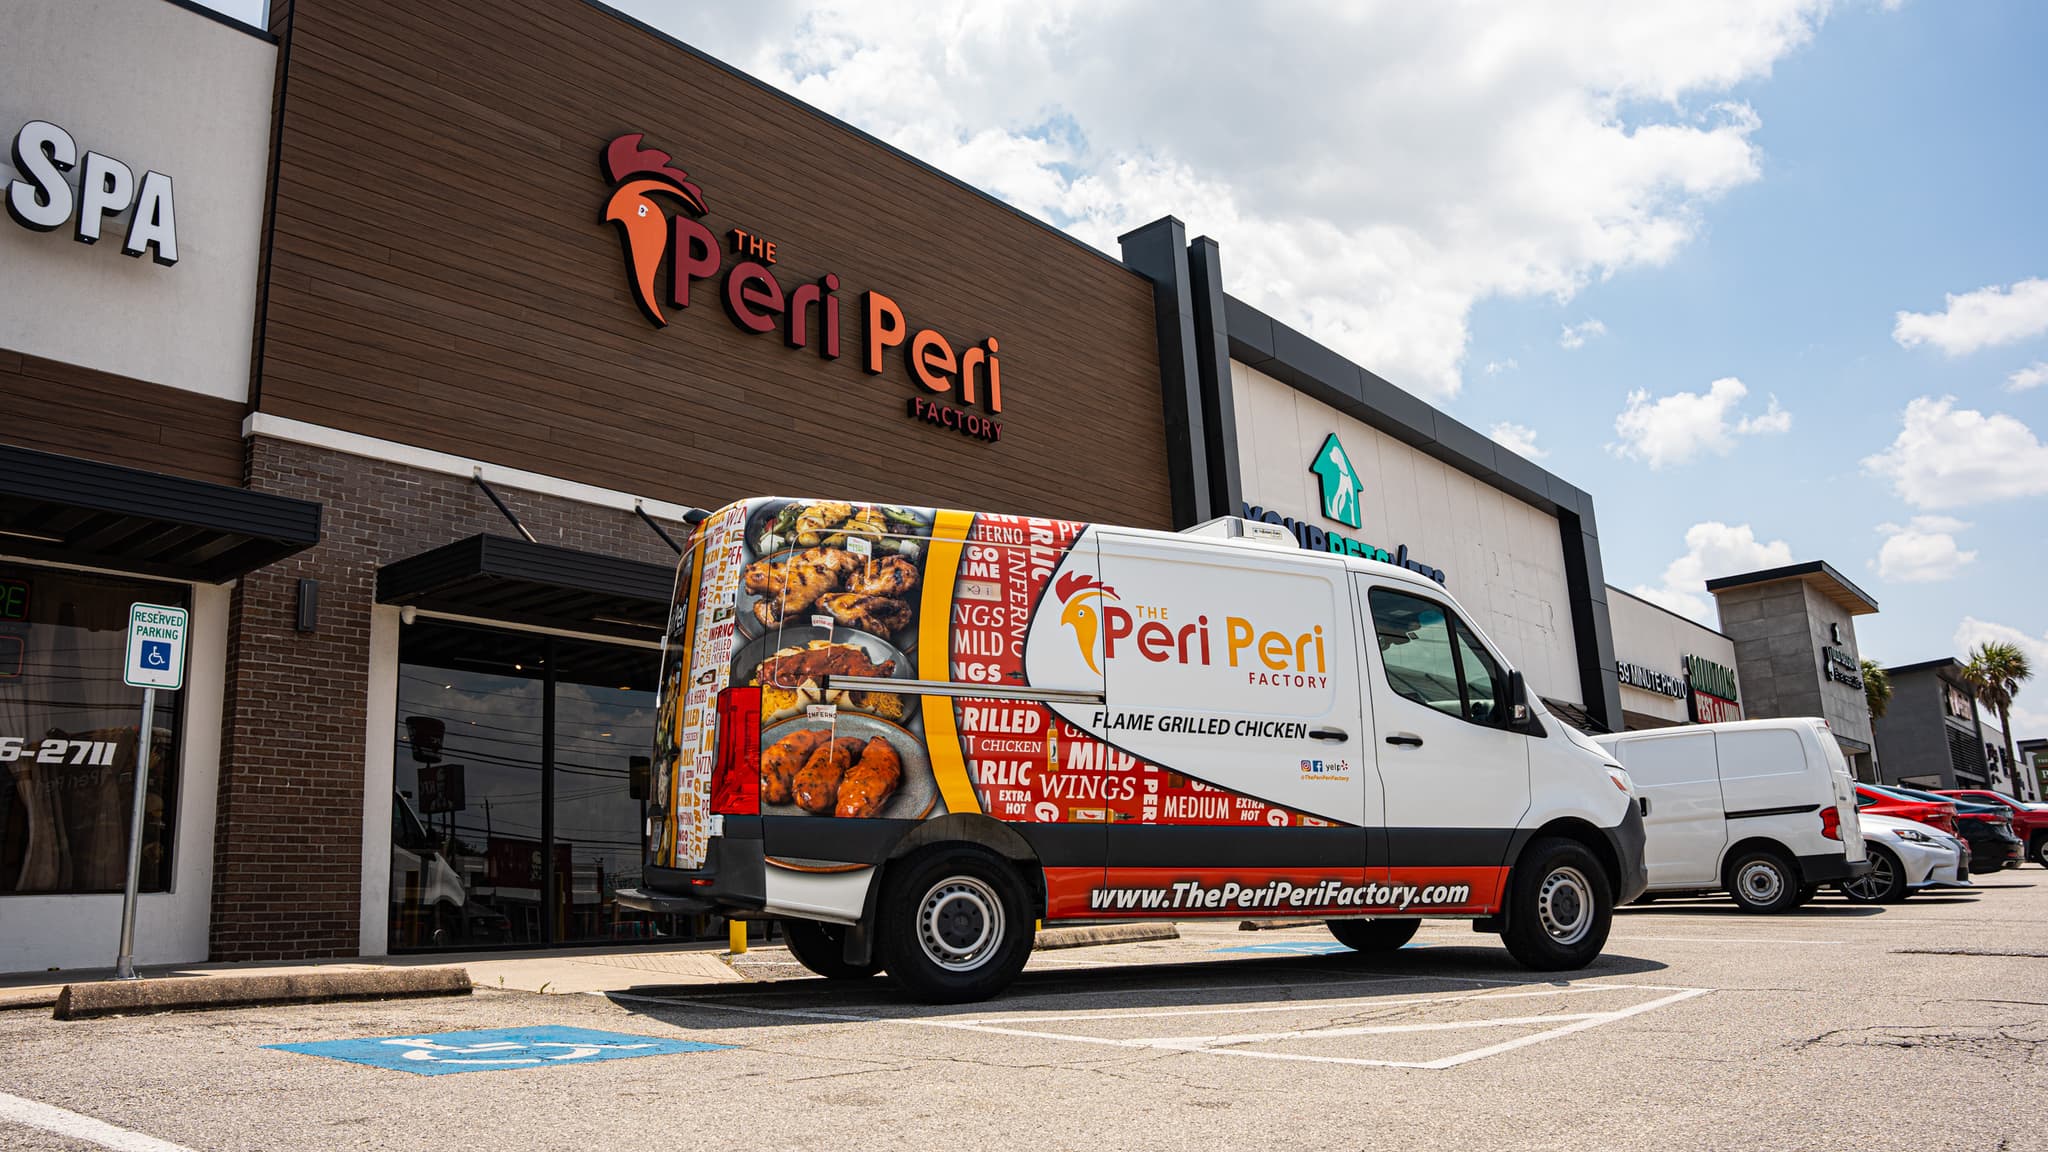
156,660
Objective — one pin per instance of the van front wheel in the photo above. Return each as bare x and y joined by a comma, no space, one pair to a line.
955,926
1559,906
1376,935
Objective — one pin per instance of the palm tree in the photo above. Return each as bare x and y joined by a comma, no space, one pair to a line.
1994,673
1877,688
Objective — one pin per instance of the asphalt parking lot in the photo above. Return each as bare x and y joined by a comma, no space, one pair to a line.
1919,1026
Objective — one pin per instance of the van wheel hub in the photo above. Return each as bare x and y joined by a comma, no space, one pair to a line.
1760,881
960,923
1564,904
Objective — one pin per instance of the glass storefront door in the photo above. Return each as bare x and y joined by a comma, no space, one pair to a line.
517,789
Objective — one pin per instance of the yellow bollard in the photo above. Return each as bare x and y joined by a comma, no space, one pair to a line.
736,936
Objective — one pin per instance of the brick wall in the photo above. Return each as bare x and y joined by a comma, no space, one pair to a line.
288,845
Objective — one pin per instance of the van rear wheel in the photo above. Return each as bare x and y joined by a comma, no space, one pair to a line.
1379,934
955,924
1559,907
1764,880
821,948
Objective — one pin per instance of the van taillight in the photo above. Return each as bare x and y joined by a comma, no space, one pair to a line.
736,767
1831,822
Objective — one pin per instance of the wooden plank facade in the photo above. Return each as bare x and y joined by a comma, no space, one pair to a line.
441,276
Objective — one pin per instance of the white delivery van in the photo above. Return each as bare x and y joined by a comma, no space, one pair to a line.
908,733
1764,810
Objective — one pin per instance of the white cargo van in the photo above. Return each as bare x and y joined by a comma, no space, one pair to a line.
1764,810
908,733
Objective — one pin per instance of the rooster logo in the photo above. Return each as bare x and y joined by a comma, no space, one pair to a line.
1076,590
637,174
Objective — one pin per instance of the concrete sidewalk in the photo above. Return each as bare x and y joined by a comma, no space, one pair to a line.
551,971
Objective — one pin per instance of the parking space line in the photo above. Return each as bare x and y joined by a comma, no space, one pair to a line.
74,1126
1313,1005
1231,1044
1721,940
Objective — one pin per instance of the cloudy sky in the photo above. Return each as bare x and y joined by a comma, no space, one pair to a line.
1768,277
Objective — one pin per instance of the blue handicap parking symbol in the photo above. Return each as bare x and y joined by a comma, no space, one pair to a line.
156,654
494,1049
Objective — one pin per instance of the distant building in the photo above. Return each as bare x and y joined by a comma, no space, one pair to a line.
1671,670
2033,777
1794,630
1932,735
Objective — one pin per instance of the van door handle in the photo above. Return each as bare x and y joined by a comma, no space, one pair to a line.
1408,739
1334,735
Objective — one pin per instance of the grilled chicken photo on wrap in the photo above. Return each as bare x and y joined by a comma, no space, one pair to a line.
784,758
816,785
871,781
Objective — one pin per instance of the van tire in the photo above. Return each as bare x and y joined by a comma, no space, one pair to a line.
1763,881
1379,934
1560,906
955,924
821,948
1885,883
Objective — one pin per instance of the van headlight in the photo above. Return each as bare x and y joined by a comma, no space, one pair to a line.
1619,777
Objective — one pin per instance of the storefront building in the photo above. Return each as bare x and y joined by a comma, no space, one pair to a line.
528,287
1794,630
1932,734
140,139
1671,669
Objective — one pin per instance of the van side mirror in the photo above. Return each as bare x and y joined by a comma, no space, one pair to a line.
1518,701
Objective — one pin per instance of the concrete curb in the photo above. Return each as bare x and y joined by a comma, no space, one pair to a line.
1089,937
1275,925
137,997
39,997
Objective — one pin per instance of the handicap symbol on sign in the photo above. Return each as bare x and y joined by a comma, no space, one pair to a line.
156,654
494,1049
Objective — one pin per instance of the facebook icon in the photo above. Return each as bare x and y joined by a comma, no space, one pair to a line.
156,654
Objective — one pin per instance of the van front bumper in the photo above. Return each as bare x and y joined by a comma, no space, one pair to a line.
1829,867
1627,839
734,877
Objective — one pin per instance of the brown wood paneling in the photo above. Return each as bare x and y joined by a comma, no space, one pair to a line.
441,276
63,408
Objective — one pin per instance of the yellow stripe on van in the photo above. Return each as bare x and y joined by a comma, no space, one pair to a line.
935,659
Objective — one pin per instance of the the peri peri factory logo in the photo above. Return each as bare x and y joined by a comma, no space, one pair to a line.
959,384
1341,486
638,174
1081,597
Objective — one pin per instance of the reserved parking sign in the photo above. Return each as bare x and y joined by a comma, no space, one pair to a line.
156,647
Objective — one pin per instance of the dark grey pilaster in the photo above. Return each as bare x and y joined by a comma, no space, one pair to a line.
1159,252
1212,369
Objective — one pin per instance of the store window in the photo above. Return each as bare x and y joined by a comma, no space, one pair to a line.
519,783
68,735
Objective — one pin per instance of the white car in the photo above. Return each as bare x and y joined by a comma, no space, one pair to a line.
1906,856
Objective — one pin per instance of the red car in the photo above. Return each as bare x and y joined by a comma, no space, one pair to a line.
1888,803
2029,821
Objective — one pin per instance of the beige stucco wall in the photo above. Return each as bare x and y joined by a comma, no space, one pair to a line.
159,88
1502,559
1647,635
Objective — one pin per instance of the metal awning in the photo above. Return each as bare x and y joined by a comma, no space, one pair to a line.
107,516
517,581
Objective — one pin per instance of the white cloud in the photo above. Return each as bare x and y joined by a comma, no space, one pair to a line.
1517,438
1450,154
1979,319
1576,335
1712,550
2032,376
1946,457
2027,723
1496,367
1676,428
1922,551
